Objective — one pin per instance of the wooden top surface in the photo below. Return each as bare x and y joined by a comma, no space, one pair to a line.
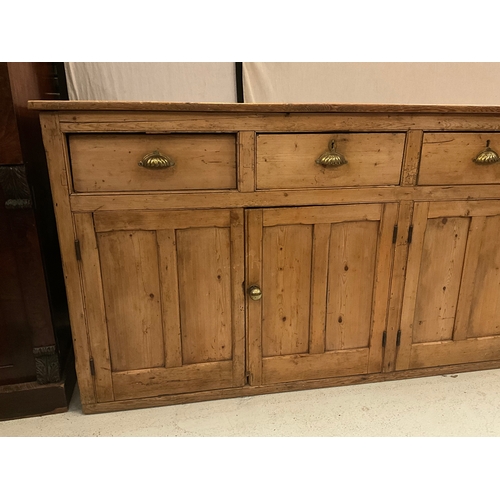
257,108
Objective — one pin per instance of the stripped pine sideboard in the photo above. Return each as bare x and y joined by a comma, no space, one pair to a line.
223,250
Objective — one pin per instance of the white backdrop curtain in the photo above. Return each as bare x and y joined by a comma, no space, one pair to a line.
183,82
397,83
400,83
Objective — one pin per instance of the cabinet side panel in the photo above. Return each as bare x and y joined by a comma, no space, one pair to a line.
129,266
353,250
439,281
204,269
286,282
57,159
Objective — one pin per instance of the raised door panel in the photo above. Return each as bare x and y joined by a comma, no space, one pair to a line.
351,273
325,276
451,305
129,267
286,279
164,301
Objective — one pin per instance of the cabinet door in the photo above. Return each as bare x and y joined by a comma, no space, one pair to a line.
164,300
451,305
324,273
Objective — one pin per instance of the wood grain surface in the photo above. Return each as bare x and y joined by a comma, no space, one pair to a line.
383,268
289,161
245,107
111,162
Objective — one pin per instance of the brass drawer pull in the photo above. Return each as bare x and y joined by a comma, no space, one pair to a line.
331,158
156,161
486,156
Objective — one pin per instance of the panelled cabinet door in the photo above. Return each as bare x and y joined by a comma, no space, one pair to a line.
451,305
164,300
324,274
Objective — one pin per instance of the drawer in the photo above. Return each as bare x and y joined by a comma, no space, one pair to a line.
110,162
447,158
289,160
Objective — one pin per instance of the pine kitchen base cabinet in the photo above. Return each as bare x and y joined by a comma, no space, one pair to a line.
220,250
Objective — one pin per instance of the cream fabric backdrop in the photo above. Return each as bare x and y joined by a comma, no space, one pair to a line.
404,83
193,82
399,83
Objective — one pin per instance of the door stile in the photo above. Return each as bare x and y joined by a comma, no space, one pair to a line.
94,303
237,237
383,275
254,307
420,217
397,285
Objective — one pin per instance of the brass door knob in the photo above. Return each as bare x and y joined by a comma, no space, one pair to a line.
255,292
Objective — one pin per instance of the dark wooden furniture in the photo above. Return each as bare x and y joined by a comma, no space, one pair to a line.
36,364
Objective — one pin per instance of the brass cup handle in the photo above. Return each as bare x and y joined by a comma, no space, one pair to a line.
156,161
255,292
331,158
487,156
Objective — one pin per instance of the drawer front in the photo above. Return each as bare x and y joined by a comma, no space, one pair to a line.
289,160
110,162
448,159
